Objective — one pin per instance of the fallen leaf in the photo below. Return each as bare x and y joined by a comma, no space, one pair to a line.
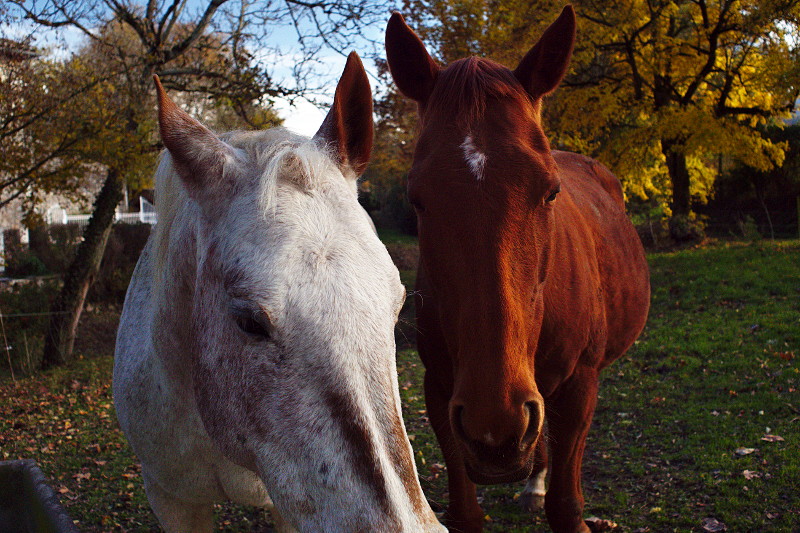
773,516
436,468
712,525
772,438
598,524
751,474
744,451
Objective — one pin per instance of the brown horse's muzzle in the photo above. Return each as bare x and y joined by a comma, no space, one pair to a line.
497,445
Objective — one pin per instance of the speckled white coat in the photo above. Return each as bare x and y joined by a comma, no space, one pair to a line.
305,409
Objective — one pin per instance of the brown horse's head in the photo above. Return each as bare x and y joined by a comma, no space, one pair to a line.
484,184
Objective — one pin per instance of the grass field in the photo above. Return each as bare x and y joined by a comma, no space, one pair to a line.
701,421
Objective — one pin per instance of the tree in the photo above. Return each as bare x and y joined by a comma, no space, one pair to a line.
681,83
203,54
658,89
35,157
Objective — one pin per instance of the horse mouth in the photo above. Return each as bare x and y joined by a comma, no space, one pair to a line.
493,476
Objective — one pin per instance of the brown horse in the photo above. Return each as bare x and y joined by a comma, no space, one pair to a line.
531,278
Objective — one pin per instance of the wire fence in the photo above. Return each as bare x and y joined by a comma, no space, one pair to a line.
45,313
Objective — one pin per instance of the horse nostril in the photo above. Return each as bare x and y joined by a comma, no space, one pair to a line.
534,423
456,419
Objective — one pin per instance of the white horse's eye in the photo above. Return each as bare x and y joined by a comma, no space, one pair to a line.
251,321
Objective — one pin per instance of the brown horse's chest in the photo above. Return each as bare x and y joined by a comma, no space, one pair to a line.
573,332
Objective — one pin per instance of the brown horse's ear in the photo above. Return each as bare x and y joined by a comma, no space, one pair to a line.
348,128
544,66
413,69
198,154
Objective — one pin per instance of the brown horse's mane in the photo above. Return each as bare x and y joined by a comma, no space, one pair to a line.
463,88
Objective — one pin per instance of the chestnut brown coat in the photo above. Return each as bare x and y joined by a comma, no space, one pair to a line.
531,278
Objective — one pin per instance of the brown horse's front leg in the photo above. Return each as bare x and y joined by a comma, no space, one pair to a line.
532,496
463,515
569,415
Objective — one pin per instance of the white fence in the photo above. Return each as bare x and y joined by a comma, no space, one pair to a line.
146,215
57,215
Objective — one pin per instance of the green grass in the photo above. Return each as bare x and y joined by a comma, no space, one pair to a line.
716,369
393,236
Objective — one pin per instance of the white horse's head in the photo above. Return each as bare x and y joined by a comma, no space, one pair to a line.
290,323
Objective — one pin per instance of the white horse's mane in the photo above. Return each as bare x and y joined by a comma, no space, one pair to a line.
280,153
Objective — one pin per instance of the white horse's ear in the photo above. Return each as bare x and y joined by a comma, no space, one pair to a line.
197,153
544,66
348,128
413,69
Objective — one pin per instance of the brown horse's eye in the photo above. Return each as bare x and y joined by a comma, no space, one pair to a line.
552,196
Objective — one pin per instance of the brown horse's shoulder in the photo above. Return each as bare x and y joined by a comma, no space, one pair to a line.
579,167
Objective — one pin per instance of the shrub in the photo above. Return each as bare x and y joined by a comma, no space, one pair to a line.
654,234
24,308
119,259
683,228
55,245
24,264
749,229
20,261
393,209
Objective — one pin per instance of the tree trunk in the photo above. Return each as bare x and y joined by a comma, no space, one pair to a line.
682,226
678,176
68,305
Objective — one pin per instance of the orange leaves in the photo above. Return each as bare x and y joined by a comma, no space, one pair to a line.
83,475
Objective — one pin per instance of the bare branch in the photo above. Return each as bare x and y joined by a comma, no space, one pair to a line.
175,9
202,24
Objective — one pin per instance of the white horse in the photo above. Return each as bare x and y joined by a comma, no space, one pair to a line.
255,357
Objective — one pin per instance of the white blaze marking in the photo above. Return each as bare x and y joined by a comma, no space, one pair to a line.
489,439
475,159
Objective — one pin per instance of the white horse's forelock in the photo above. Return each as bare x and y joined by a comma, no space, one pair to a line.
278,152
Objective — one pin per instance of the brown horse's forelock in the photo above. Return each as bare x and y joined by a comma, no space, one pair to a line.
463,88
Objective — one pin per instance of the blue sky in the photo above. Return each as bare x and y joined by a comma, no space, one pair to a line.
300,115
